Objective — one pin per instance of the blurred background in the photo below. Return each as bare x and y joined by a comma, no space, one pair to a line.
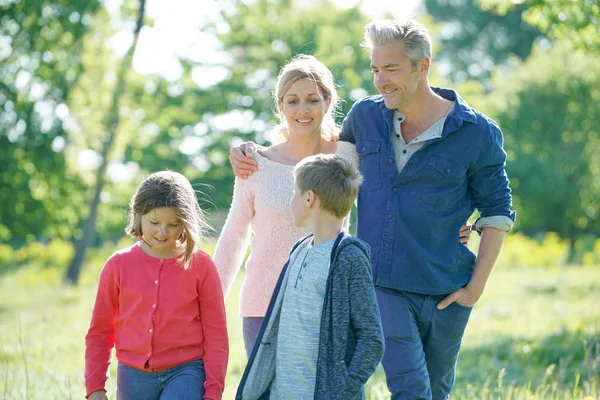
95,95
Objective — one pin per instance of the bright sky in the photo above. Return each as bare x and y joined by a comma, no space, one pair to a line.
175,32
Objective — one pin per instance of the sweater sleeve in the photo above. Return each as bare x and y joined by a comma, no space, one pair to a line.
214,329
347,151
101,338
235,235
366,321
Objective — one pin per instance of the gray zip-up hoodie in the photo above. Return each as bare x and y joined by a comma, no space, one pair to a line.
351,337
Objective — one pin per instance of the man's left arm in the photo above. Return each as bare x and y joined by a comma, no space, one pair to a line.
489,249
488,185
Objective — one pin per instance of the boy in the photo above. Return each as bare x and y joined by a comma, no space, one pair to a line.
321,337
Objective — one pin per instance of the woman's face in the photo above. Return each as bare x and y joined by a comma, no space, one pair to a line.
304,107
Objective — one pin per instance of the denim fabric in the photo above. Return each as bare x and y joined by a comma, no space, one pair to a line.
421,344
251,328
411,219
183,382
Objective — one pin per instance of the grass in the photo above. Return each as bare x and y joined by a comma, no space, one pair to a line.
535,334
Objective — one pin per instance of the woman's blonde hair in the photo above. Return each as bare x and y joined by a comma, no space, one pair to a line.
305,66
172,190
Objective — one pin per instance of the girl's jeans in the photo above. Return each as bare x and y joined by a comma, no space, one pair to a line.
183,382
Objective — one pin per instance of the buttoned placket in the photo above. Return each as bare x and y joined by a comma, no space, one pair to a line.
413,159
392,172
151,329
302,266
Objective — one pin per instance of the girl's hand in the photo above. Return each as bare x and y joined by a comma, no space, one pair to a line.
98,395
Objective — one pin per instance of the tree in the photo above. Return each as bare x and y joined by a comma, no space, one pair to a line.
41,44
190,128
574,21
546,111
111,124
474,41
261,36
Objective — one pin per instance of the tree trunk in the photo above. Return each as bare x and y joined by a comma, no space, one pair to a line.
112,123
571,256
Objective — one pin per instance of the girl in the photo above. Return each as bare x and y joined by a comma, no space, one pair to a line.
160,304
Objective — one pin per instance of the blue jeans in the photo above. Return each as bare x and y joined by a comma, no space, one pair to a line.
183,382
251,329
421,343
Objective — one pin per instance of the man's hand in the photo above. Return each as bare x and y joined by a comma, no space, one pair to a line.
466,297
465,233
98,395
241,160
489,249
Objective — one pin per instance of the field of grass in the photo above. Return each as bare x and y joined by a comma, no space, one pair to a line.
535,334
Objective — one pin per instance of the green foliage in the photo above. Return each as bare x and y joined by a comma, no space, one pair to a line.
264,35
523,251
57,70
473,41
549,251
261,36
39,65
36,255
546,111
574,21
185,127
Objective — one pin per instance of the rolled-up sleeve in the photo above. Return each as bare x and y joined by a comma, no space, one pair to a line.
489,185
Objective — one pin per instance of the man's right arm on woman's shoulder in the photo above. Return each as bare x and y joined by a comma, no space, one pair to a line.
240,158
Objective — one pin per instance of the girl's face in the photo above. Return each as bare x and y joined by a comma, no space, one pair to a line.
161,229
304,107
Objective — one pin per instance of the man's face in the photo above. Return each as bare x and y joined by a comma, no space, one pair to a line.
393,74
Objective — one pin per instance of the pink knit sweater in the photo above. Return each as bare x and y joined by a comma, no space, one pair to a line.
260,215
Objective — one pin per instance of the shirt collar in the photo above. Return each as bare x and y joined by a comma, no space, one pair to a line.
461,110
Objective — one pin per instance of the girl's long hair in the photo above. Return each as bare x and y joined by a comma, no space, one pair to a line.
173,190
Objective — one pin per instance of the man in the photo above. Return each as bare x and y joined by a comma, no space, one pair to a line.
429,160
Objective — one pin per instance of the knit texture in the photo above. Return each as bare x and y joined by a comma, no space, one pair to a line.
260,216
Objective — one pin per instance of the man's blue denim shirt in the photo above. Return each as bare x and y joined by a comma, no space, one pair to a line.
411,220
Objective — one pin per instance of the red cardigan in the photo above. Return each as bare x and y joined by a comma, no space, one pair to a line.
158,316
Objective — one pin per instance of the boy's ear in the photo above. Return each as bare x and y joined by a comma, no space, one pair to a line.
310,198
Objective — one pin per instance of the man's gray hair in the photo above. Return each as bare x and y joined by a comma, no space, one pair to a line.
417,43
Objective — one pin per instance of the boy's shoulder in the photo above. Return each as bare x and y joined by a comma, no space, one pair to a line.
351,248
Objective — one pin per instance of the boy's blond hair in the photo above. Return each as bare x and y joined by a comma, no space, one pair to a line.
334,180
